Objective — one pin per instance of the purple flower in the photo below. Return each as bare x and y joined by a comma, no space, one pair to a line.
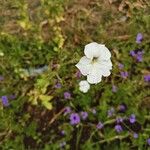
100,125
122,108
135,135
1,78
110,112
121,66
5,101
124,74
139,56
67,110
67,95
57,85
139,38
114,88
78,74
132,53
148,141
147,78
132,118
62,132
12,97
119,120
74,119
84,115
118,128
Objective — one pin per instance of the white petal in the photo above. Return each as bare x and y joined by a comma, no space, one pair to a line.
104,52
105,64
84,86
84,65
92,50
94,76
105,72
104,67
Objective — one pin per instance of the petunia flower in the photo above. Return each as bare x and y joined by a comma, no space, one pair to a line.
74,119
67,110
135,135
96,62
132,118
139,38
118,128
120,66
84,86
67,95
100,125
148,141
147,78
84,115
5,101
124,74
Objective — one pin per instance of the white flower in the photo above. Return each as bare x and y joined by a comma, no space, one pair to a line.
84,86
96,62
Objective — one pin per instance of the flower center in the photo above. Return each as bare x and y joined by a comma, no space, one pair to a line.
94,60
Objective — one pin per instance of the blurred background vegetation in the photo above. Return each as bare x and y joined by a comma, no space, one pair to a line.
51,34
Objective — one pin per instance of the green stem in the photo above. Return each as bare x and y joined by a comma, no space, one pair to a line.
78,137
120,137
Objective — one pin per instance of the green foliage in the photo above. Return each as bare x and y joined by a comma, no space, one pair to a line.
51,34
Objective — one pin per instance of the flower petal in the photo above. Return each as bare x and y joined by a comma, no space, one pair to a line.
92,50
105,64
84,65
104,52
84,86
105,72
94,76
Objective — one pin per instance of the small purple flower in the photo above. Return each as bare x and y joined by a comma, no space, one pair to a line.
12,97
132,118
94,111
135,135
62,144
67,110
84,115
62,132
118,128
139,38
122,108
67,95
124,74
132,53
119,120
121,66
78,74
139,56
100,125
110,112
1,78
148,141
57,85
74,119
114,88
147,78
5,101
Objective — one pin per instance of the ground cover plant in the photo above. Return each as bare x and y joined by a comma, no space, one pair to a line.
46,103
